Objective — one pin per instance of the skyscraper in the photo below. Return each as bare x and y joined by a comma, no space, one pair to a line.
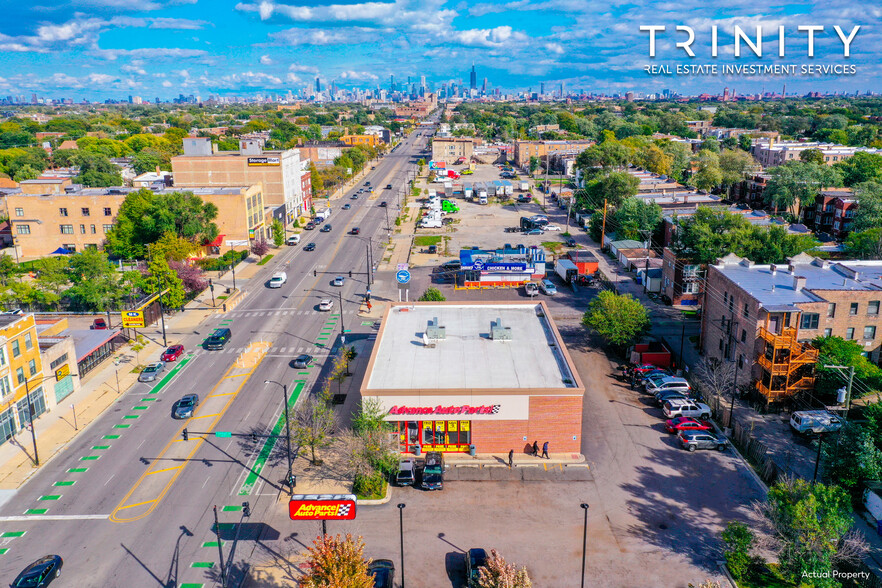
391,82
318,85
474,78
541,88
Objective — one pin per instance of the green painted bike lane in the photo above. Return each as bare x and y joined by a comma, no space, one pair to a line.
266,450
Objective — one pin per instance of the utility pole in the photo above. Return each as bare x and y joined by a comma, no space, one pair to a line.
850,369
220,550
646,243
233,266
603,226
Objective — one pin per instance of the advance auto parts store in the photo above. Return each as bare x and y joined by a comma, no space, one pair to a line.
495,374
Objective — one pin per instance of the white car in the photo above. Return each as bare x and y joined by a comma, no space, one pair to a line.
547,287
531,288
326,304
551,228
338,281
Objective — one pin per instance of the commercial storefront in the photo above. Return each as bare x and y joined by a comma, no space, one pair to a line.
494,375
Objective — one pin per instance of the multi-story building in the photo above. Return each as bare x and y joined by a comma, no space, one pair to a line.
750,190
830,205
364,140
80,219
524,150
279,171
682,279
771,153
21,385
764,316
322,153
449,149
701,127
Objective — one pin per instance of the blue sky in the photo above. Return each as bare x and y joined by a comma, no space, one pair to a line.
97,49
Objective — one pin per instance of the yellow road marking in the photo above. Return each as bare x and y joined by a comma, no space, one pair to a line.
138,504
164,470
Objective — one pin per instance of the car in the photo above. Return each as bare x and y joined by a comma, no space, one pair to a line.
326,304
150,373
309,226
99,324
318,220
531,288
433,471
535,232
692,440
185,407
476,558
406,475
309,247
293,240
686,424
346,206
338,281
218,339
354,231
367,183
172,353
383,204
303,361
690,408
433,249
354,197
552,228
547,288
383,573
388,186
571,242
39,573
655,384
326,229
670,395
451,266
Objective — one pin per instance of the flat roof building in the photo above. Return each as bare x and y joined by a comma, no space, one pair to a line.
496,375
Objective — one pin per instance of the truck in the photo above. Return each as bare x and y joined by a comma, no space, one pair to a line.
278,279
653,352
524,186
467,190
323,214
448,206
814,422
482,199
566,269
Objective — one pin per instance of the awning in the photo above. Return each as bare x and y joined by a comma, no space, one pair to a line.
217,242
61,251
86,340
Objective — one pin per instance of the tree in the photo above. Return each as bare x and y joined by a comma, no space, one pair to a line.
146,161
850,459
709,173
614,186
171,247
95,283
716,376
839,351
259,247
811,527
859,168
160,277
336,562
97,171
620,319
52,275
534,164
9,270
278,233
432,295
634,217
812,156
735,165
609,155
191,276
865,244
869,209
497,573
313,423
26,172
740,541
797,182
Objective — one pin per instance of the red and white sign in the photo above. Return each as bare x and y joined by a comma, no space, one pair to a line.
465,407
338,507
462,409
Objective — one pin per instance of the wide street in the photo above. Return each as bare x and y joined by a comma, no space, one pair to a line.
129,503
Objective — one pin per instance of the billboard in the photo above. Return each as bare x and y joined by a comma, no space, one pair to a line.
133,319
257,161
437,164
317,507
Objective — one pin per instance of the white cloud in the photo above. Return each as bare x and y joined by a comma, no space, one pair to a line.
101,79
150,53
266,60
134,68
495,37
303,68
250,78
167,84
341,36
177,23
357,75
293,78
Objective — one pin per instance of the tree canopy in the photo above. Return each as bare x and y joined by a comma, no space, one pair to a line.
797,182
620,319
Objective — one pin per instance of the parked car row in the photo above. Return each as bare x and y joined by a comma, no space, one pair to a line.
427,473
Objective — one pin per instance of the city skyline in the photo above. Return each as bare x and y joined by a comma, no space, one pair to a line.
98,49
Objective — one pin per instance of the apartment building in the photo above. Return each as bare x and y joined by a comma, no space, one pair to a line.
21,384
764,316
524,150
322,153
771,153
363,140
279,171
701,127
682,279
80,218
449,149
831,212
750,190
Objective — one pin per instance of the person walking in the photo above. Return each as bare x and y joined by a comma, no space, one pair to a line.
545,450
510,458
535,449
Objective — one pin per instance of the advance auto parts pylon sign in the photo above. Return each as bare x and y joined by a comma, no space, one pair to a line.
329,507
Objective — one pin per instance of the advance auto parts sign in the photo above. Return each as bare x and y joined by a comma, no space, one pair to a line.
469,407
264,161
337,507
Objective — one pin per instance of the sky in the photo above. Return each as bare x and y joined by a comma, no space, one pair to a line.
97,49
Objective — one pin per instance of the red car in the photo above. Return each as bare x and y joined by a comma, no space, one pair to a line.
172,353
98,324
687,424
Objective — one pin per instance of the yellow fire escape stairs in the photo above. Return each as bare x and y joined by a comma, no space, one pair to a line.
788,364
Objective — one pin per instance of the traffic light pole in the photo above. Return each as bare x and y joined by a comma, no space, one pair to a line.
220,550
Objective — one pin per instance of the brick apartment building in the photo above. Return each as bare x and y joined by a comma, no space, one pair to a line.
524,150
363,140
764,316
831,212
682,280
771,153
450,149
750,191
279,171
80,218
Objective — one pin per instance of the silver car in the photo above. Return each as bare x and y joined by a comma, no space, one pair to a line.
184,408
151,372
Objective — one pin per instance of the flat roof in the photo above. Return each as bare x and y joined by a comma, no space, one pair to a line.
467,359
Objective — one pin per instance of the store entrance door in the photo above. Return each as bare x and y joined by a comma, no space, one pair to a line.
408,436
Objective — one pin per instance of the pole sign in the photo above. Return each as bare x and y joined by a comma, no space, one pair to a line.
403,276
132,319
318,507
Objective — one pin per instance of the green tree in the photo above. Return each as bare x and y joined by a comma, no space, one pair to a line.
740,542
97,171
172,247
709,173
869,209
52,274
615,187
432,295
634,217
161,277
336,562
851,458
812,156
797,182
865,244
735,165
9,270
278,233
610,154
839,351
314,422
811,524
620,319
95,283
534,164
146,161
860,167
497,573
26,172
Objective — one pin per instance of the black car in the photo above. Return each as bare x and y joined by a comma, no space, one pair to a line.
218,339
388,186
302,361
476,558
326,229
309,226
346,206
354,231
309,247
571,242
383,573
40,573
354,197
433,249
383,204
433,471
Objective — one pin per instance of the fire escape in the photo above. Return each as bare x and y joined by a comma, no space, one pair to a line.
788,366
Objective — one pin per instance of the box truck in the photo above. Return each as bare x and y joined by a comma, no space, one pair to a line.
566,269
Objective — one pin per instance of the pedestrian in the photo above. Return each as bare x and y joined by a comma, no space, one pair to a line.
510,458
535,449
545,450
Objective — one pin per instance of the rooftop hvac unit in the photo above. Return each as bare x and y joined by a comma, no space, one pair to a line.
434,331
500,333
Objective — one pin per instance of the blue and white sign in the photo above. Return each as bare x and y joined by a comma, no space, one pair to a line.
495,267
403,276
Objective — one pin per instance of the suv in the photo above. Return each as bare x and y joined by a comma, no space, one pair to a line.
547,287
689,408
433,472
656,385
531,289
814,422
406,475
476,558
218,339
691,440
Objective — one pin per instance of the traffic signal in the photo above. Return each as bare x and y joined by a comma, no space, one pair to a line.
314,273
254,437
210,284
246,509
350,273
185,435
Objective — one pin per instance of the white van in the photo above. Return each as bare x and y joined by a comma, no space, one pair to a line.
278,279
293,240
431,223
482,200
814,422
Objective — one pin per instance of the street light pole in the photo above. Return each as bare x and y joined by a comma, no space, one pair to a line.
342,328
220,550
401,506
288,478
233,265
584,540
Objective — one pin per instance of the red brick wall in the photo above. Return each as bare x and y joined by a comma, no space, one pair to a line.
556,419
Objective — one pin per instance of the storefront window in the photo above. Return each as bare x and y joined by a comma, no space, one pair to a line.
7,425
